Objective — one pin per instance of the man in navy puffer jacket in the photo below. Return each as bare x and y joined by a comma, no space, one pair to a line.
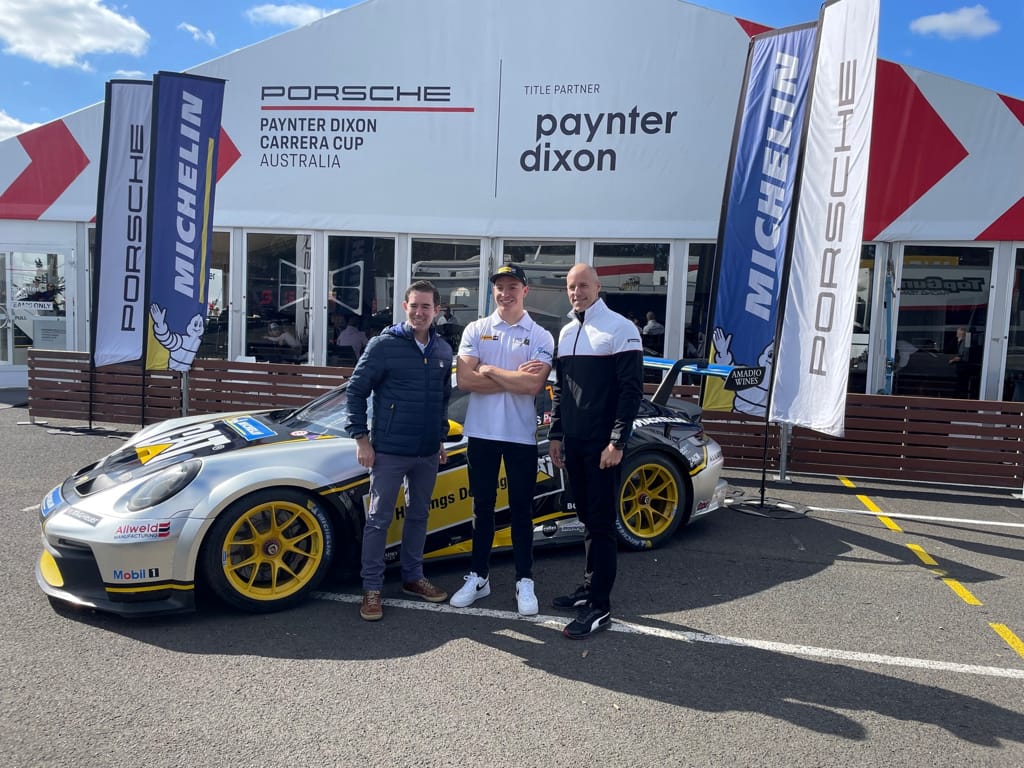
407,371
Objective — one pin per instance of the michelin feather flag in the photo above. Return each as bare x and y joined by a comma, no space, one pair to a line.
755,220
186,129
813,360
119,285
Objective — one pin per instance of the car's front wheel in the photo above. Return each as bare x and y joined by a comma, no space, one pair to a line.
269,550
652,500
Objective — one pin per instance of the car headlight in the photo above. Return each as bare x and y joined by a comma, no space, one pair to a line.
163,485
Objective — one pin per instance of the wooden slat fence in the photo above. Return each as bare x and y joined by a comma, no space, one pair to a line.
59,387
888,437
922,439
936,440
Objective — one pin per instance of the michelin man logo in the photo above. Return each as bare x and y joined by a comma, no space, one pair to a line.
750,400
181,347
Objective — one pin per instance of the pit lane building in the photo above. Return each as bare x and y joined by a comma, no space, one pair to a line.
400,139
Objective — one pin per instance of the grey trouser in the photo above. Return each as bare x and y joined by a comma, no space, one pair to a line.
386,478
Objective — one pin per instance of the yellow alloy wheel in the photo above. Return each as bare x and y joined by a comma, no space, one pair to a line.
650,508
271,548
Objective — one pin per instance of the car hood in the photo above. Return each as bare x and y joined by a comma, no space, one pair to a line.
177,440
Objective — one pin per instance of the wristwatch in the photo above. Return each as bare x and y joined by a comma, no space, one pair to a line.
619,445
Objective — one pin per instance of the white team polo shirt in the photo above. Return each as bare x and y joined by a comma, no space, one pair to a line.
504,415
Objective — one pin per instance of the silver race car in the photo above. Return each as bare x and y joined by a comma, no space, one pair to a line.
258,507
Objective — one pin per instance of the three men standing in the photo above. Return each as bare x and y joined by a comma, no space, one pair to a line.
503,362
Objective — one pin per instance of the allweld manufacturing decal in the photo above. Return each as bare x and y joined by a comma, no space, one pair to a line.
143,530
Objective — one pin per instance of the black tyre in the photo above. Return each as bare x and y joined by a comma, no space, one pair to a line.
269,550
653,500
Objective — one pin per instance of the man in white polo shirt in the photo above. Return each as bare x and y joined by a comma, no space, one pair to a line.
503,362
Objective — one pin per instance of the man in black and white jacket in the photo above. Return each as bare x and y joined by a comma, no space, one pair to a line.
597,393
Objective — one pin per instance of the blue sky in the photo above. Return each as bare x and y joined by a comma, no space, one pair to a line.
56,55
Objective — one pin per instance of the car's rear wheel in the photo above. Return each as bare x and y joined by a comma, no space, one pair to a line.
652,500
269,550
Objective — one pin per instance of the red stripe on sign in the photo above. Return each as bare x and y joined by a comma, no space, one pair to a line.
1014,105
752,27
912,149
1009,226
227,154
625,269
55,160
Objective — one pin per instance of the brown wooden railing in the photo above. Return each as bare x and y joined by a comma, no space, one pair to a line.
61,385
922,439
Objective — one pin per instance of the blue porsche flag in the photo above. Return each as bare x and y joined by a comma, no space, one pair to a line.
755,221
186,129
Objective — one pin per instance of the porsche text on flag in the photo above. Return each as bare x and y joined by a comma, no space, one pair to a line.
119,312
813,360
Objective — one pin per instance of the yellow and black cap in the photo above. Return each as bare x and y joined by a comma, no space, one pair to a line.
510,270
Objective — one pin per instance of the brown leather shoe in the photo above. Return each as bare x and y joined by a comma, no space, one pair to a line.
371,609
426,590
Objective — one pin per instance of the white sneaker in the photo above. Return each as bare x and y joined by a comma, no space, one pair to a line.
471,591
526,600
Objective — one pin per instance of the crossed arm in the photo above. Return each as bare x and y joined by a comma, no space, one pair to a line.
527,379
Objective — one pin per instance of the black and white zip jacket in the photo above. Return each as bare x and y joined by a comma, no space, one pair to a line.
599,377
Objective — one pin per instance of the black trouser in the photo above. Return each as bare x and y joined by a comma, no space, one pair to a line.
484,457
595,492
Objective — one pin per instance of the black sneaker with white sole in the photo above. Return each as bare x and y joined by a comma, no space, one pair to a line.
577,599
587,622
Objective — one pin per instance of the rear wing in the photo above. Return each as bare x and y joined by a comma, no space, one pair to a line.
690,366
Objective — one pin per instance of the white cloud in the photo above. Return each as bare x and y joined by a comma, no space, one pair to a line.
285,15
197,34
971,22
131,74
62,33
10,126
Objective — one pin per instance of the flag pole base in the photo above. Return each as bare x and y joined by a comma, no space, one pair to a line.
775,508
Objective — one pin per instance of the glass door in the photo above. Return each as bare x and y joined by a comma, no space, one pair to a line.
6,332
33,310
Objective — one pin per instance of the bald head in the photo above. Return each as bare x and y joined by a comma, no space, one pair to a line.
583,286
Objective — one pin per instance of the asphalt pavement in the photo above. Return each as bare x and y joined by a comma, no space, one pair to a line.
857,624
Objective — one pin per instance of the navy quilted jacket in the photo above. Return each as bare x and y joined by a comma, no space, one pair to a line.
410,391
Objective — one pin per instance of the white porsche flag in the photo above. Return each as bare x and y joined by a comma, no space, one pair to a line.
813,353
121,261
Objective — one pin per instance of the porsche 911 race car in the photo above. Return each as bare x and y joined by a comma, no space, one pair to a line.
259,506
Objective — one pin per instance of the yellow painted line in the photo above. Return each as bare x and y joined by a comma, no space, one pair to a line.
961,592
923,556
871,506
1011,639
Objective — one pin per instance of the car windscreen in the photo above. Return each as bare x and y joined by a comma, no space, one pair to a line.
325,415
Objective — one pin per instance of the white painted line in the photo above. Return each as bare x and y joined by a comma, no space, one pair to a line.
926,518
686,636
